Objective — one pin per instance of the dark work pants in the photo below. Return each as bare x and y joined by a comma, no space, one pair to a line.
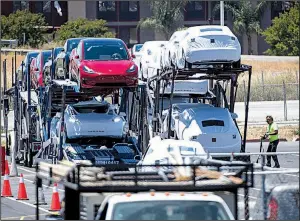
272,148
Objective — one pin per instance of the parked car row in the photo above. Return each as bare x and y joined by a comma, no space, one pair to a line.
198,45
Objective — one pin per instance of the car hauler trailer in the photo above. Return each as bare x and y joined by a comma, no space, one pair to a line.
35,109
218,76
94,184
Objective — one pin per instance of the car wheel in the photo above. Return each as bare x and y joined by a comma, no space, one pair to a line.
79,81
186,64
142,73
70,73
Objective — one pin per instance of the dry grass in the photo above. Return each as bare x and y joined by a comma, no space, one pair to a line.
254,132
267,73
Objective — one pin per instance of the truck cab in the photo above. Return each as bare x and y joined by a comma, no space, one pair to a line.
164,206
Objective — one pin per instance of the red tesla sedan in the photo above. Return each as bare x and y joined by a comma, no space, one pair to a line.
102,62
36,68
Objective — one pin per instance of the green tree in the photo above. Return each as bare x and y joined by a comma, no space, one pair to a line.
82,27
166,16
283,36
24,22
246,17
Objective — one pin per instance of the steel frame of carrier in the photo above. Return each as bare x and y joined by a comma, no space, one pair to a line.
169,75
37,107
79,179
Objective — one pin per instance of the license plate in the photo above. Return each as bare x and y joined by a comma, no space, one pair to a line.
106,162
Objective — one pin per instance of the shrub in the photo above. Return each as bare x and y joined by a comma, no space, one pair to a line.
16,24
283,35
82,27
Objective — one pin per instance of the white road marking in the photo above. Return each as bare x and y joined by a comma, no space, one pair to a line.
29,171
44,185
251,197
28,204
291,175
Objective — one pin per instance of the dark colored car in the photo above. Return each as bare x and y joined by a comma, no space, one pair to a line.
63,58
283,203
48,65
37,68
27,60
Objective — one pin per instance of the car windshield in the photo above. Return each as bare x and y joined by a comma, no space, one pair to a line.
170,210
46,55
29,56
138,48
73,44
90,109
56,52
105,51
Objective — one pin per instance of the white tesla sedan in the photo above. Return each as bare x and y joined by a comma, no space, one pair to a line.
205,45
213,127
171,152
172,47
147,56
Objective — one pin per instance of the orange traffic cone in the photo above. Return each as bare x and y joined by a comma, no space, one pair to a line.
6,191
55,204
6,166
22,194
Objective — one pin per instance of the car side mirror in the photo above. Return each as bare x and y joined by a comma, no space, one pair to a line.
234,116
137,157
63,50
133,56
77,56
36,69
50,58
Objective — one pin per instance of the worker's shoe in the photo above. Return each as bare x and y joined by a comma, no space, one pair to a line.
276,166
268,165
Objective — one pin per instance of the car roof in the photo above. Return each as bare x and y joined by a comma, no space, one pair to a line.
74,39
136,197
176,143
90,103
102,40
33,52
211,30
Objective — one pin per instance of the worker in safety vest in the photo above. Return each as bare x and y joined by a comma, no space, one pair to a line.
272,134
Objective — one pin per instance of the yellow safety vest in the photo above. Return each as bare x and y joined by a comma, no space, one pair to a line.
271,129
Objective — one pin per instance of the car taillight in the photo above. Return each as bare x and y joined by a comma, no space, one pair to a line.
273,209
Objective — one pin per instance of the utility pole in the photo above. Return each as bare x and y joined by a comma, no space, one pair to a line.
222,13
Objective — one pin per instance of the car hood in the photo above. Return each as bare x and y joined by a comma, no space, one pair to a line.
92,124
117,66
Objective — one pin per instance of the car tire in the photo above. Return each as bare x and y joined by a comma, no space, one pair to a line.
79,80
186,64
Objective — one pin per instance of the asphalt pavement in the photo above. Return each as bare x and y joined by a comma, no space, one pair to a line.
11,209
259,110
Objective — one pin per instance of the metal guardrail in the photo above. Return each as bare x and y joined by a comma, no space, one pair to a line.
11,43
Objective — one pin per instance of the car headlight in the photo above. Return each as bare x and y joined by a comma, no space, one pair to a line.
117,119
88,70
131,69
